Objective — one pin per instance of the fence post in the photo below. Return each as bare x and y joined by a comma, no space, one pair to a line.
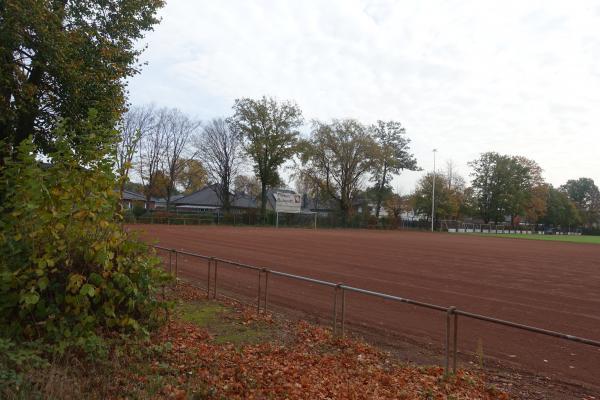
335,296
176,266
343,309
170,261
455,349
448,323
208,279
258,297
215,285
266,286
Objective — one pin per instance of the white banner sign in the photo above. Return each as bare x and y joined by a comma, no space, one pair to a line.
287,202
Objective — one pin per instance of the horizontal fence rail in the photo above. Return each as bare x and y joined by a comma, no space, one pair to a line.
452,313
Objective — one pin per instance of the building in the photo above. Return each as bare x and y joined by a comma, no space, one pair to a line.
207,200
130,199
321,207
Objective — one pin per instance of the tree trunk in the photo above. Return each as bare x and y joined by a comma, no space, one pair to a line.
345,209
225,195
263,202
380,192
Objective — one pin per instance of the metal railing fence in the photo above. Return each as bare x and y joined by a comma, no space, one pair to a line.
338,323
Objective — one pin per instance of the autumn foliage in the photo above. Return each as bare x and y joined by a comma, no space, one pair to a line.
309,363
67,268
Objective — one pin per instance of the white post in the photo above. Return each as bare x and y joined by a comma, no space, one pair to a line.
315,220
433,192
276,219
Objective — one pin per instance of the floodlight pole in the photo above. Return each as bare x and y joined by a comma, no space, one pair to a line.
433,192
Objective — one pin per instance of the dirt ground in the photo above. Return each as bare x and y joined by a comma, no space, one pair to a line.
545,284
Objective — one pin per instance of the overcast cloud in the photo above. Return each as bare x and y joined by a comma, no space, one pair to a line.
464,77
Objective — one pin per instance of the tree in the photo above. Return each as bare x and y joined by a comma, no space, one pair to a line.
453,179
151,153
193,176
560,209
392,156
537,206
503,186
158,189
270,133
247,184
179,130
528,190
447,202
486,186
337,157
395,205
134,124
586,196
219,148
60,58
69,272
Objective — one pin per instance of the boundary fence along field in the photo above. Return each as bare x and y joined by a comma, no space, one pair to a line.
338,302
311,220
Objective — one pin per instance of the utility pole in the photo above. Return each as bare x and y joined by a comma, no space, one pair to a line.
433,192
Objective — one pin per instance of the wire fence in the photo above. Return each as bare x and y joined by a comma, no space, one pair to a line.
312,220
220,273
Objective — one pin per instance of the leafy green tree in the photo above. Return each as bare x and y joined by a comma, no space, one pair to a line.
395,205
392,157
59,58
504,185
487,186
560,210
526,189
337,157
585,194
270,132
68,271
447,199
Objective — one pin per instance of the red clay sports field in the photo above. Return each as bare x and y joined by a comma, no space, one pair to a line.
549,285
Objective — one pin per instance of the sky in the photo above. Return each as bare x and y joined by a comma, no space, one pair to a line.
464,77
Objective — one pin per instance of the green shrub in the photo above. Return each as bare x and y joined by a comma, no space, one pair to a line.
15,361
68,270
138,210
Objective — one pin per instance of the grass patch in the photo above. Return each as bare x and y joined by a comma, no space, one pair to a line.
224,324
552,238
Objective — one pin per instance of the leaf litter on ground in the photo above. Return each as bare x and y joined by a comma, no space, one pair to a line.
310,363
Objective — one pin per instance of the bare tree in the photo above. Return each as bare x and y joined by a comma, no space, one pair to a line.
179,130
151,153
247,184
454,180
219,149
136,123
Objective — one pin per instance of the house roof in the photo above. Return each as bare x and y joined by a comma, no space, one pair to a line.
129,195
207,196
312,204
164,200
